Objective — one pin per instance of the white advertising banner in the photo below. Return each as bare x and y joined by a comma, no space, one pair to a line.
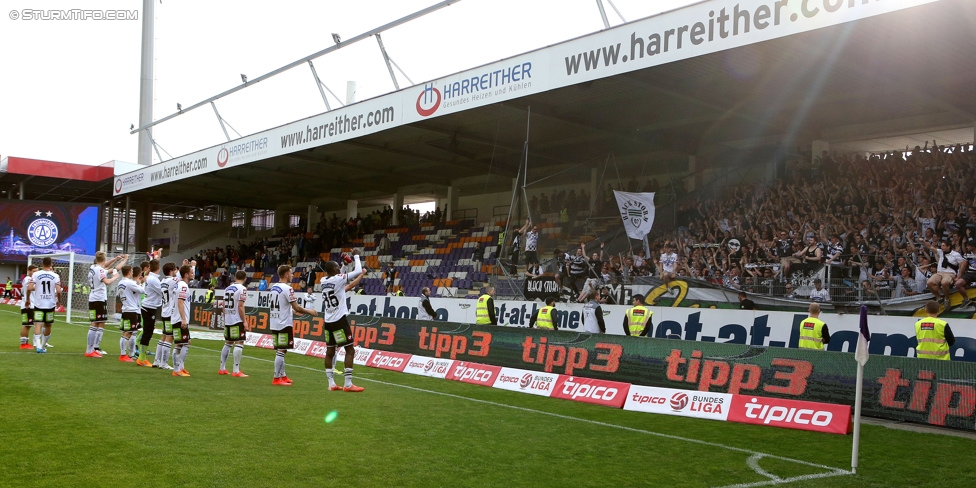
426,366
696,30
525,381
684,403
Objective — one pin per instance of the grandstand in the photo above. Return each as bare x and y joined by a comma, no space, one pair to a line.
734,142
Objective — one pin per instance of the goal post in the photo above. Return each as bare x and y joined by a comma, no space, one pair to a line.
73,270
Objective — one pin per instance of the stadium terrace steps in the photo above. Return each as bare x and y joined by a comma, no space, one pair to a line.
440,257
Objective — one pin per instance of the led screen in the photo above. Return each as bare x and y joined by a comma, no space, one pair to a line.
31,227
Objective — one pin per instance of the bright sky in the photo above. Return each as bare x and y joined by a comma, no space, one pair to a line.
70,88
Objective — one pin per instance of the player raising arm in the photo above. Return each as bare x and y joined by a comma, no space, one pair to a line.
129,291
98,278
150,307
337,330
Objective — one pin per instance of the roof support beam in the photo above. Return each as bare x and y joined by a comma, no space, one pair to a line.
364,35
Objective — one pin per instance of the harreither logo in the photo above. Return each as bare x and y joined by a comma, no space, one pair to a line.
429,101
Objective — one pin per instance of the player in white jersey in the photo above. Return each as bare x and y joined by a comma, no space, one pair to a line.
130,291
164,347
283,304
26,309
180,293
235,325
337,330
98,278
45,286
150,308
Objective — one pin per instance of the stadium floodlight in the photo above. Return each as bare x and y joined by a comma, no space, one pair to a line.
335,37
243,78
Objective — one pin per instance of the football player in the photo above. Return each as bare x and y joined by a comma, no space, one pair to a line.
26,309
98,278
235,326
283,305
338,332
45,286
130,290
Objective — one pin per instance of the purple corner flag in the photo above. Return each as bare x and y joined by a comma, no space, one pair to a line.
861,353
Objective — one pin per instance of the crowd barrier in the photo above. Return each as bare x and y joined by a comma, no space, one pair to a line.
907,389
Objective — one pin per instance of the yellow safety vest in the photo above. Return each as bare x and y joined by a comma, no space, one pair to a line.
811,334
637,319
481,312
930,333
501,238
544,321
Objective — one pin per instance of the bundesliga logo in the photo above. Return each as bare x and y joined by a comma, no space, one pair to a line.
42,232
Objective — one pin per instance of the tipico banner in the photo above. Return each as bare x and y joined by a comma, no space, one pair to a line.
916,390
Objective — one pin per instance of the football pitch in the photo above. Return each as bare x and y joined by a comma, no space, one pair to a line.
75,421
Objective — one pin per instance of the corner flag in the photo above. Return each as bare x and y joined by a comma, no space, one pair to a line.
861,352
861,356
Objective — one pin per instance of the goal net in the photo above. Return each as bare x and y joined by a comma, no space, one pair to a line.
75,286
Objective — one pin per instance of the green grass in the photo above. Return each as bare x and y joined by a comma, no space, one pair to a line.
74,421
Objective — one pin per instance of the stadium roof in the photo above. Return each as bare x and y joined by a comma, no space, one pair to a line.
50,180
888,75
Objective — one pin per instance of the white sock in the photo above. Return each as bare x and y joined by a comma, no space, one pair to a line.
132,346
330,374
183,351
164,352
98,337
37,341
176,358
159,348
279,364
92,331
348,375
123,345
238,352
223,356
45,340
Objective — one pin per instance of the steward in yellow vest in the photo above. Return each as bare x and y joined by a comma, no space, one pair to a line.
933,335
485,311
637,320
813,331
545,317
